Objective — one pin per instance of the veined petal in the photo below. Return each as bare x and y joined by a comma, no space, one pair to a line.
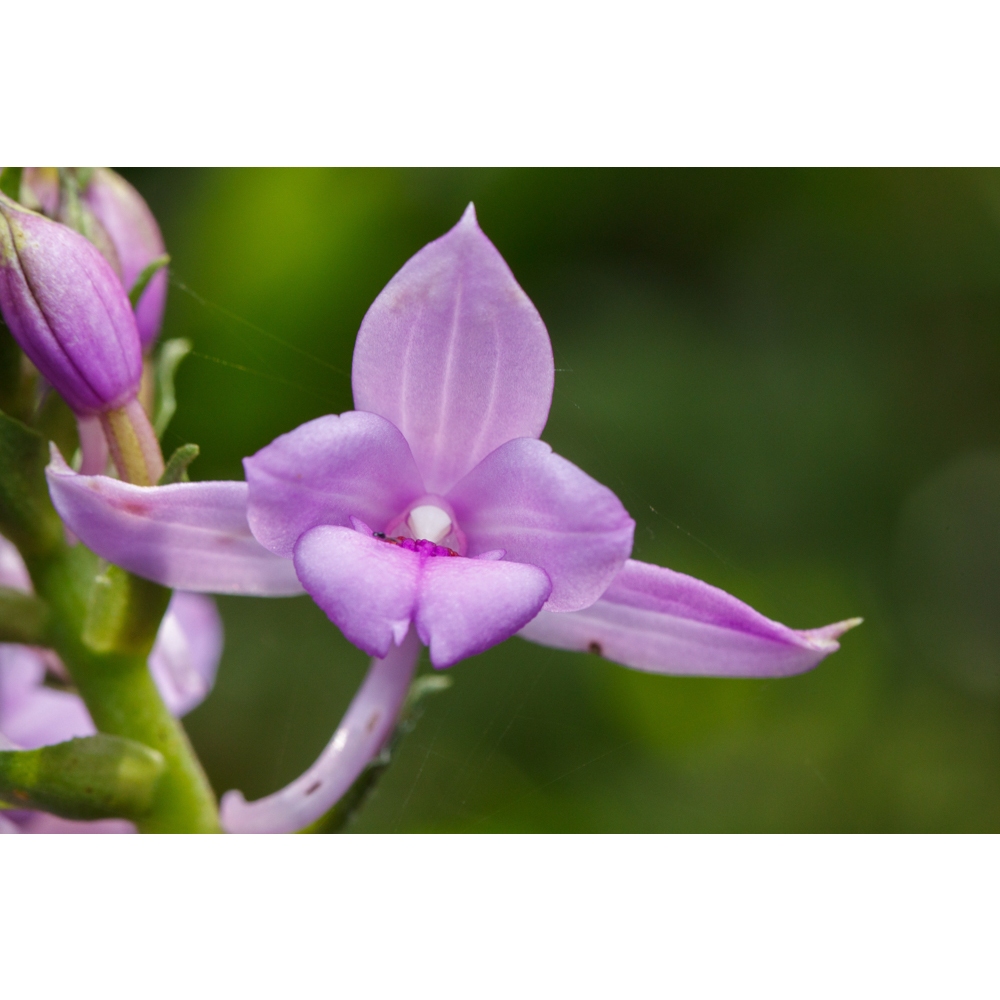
191,536
455,355
325,472
186,654
545,511
372,591
360,736
654,619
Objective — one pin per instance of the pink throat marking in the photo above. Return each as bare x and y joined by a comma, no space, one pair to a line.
422,546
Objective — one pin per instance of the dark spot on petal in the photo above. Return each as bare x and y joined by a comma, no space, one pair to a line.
596,647
372,722
313,787
379,534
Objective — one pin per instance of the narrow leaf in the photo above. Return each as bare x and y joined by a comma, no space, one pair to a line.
27,516
145,276
172,353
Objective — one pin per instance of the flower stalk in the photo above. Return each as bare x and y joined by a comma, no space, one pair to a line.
102,622
134,447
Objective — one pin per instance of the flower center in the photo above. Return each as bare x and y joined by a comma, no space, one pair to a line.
421,545
423,528
429,522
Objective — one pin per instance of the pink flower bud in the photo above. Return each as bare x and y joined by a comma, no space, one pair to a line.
136,238
68,311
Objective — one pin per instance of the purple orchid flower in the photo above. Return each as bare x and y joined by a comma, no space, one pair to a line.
431,515
183,663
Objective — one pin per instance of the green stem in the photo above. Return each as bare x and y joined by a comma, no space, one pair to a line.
104,642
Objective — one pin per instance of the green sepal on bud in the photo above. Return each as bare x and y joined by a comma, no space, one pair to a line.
96,777
27,516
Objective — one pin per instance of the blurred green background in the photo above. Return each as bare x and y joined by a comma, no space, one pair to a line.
791,380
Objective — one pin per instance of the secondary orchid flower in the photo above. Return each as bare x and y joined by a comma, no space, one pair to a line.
183,663
431,515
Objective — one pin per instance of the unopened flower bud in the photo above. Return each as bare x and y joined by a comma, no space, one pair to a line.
68,311
133,231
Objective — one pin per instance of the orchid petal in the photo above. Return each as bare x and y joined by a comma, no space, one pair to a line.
325,472
468,605
654,619
455,355
32,715
192,536
367,588
362,733
13,572
186,654
372,591
545,511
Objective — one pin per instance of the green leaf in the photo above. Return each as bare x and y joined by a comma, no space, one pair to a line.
145,277
91,778
172,353
27,516
176,470
10,182
23,617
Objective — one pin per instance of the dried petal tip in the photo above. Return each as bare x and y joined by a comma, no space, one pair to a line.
827,636
469,216
66,308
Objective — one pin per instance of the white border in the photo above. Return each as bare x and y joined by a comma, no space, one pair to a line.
518,82
500,916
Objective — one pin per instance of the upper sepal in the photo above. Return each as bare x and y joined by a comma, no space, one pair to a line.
455,355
